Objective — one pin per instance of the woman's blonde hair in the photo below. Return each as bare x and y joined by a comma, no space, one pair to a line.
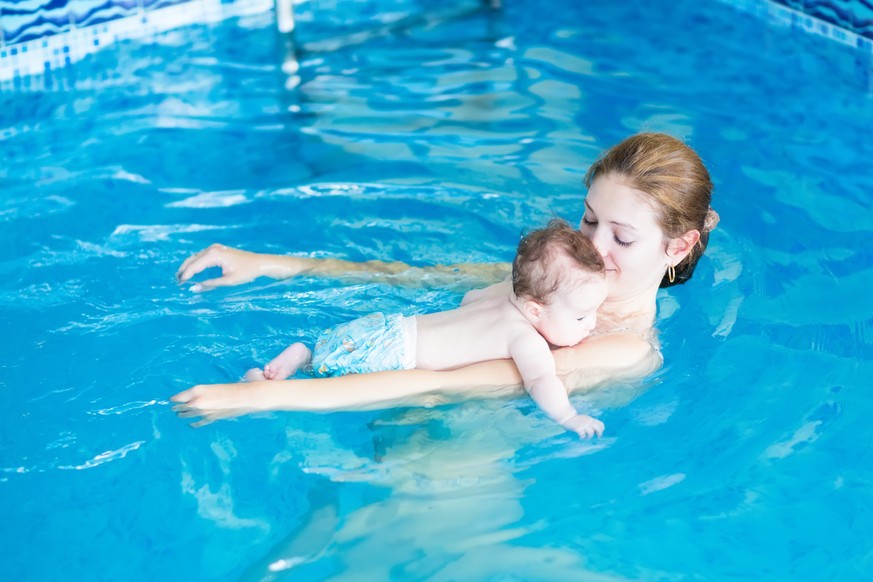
676,181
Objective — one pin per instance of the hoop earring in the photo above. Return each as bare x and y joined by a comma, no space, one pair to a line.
671,273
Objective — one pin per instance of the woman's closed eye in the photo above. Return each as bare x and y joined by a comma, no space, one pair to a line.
592,223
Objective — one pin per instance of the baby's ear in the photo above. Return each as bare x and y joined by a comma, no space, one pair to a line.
533,309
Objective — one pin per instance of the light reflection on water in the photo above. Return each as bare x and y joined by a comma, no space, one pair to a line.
432,140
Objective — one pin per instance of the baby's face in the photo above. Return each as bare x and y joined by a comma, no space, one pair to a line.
571,313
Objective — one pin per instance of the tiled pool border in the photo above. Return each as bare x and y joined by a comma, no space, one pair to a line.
832,19
40,55
849,22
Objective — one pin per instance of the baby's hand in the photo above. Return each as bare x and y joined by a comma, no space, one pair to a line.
584,425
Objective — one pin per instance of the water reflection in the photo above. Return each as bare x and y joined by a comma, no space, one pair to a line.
453,507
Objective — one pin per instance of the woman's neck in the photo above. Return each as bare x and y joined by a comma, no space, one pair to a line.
635,313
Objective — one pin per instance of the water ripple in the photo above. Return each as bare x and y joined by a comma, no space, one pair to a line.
105,457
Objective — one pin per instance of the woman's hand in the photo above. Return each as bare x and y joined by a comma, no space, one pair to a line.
237,266
216,401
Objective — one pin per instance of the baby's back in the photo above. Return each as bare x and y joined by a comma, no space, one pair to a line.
476,332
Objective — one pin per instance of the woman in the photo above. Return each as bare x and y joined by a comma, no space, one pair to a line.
647,212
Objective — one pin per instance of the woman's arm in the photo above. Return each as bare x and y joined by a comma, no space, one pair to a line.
238,266
378,390
596,361
605,359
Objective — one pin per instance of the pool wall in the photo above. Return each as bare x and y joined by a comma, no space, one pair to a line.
846,21
37,36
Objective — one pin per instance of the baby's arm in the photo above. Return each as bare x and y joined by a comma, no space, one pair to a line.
537,367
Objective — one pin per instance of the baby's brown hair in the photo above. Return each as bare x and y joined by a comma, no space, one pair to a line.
532,274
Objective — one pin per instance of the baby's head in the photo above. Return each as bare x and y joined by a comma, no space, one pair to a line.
559,281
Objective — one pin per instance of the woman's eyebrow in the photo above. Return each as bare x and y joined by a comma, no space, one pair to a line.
615,222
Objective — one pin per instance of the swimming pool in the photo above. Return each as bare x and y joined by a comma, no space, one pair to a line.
437,141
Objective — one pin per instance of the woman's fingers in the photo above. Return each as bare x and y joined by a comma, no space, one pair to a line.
211,256
207,416
184,396
210,284
204,416
184,272
188,412
186,263
199,263
211,402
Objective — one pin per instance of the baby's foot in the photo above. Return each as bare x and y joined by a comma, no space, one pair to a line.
276,372
254,375
288,362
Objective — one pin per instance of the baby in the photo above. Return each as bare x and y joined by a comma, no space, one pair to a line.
558,282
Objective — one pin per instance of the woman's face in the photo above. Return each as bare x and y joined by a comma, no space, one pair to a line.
623,225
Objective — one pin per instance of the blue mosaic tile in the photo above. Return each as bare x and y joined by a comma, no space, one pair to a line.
89,13
38,26
155,4
794,4
838,12
840,20
863,15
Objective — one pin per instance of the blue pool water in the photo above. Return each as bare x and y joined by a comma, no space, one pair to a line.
432,133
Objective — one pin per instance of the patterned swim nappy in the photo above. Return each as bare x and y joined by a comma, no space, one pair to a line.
373,343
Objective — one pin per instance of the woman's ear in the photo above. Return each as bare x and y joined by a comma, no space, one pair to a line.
679,247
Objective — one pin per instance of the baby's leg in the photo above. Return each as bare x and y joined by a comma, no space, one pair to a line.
254,375
288,362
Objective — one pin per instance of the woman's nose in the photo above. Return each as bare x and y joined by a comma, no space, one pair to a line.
598,237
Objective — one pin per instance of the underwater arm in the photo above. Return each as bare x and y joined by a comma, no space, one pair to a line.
604,359
238,267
